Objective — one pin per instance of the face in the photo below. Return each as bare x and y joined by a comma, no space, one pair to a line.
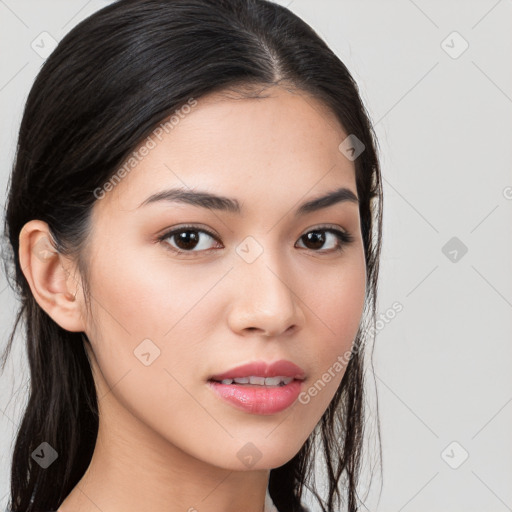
181,292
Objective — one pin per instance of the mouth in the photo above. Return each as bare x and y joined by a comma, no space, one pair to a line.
257,398
257,381
259,388
259,373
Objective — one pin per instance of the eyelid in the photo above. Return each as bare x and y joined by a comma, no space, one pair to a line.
328,227
192,227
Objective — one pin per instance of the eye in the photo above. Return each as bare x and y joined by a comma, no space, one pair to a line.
333,237
191,239
188,239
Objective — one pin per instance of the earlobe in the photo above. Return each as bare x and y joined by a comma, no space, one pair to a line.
48,274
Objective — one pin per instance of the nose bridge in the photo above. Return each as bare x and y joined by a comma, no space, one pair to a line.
265,297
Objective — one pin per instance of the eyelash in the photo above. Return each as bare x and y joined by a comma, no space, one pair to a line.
344,238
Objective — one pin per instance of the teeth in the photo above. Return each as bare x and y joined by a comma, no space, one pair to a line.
259,381
273,381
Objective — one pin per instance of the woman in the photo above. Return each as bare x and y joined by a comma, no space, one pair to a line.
194,216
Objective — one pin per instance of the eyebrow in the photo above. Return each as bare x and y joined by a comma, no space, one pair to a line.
205,199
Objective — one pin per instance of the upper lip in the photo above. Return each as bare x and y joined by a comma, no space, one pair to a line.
281,368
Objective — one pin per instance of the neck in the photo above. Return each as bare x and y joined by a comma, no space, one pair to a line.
133,468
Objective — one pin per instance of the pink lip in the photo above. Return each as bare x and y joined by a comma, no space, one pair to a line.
258,399
282,368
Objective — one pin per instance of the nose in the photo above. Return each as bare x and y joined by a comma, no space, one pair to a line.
264,300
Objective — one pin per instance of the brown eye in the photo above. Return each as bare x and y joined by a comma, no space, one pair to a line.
188,239
314,239
317,238
193,240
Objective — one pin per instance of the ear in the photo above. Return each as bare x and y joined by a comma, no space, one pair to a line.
50,276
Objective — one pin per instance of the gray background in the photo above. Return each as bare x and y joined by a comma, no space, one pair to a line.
443,119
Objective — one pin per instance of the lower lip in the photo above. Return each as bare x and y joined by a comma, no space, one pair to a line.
258,399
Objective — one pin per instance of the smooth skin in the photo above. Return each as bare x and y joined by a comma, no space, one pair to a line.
166,442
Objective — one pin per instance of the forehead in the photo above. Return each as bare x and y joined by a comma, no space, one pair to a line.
285,142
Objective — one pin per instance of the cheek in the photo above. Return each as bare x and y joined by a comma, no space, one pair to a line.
146,295
149,323
337,310
336,301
